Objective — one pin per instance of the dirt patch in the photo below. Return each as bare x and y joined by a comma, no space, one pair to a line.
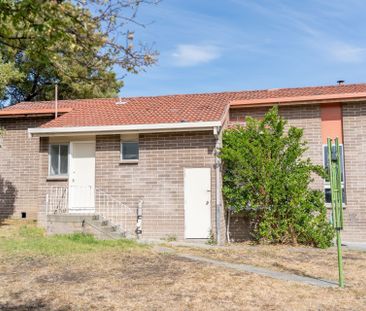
116,279
37,304
65,277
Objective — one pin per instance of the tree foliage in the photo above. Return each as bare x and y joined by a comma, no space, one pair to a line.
8,74
75,43
267,176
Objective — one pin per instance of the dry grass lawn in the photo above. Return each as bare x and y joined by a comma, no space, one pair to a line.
306,261
76,273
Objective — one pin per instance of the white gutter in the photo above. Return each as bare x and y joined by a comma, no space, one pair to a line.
118,129
218,174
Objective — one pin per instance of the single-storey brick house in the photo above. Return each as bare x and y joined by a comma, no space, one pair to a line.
76,158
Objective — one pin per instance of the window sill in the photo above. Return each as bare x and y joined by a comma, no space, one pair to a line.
57,178
128,161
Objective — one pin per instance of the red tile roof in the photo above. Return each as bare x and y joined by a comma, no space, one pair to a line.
17,112
176,108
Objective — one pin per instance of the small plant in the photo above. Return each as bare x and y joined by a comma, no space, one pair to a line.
211,238
171,238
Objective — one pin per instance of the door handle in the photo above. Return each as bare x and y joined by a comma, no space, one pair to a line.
207,202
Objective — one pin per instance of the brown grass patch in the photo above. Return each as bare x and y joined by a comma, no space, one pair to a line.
141,279
306,261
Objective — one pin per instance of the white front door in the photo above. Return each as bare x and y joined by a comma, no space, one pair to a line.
82,177
197,202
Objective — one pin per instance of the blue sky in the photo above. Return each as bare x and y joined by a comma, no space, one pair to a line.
228,45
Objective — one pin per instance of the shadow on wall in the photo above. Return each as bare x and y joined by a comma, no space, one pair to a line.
8,194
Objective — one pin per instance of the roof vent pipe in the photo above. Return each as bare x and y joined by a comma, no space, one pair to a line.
56,101
120,102
340,82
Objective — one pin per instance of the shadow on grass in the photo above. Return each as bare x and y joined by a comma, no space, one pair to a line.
37,304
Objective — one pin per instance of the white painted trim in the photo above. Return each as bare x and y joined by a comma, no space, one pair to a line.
130,128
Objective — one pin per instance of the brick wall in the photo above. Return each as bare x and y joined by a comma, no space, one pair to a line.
157,178
354,137
19,168
44,184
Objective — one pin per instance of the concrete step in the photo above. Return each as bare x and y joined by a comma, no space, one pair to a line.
105,226
70,217
118,235
100,227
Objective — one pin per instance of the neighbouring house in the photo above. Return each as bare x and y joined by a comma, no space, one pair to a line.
62,163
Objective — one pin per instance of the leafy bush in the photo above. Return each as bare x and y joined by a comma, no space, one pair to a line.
267,177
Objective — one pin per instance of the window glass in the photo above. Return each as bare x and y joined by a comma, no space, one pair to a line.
54,159
64,152
58,159
130,151
328,195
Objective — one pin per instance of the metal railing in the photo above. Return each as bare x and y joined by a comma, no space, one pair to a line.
107,207
113,210
57,200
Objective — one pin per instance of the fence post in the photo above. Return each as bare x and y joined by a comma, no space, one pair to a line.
335,171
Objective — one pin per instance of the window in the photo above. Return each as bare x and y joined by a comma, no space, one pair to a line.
129,151
58,159
327,190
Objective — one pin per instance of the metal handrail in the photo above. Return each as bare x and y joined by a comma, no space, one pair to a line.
106,206
112,209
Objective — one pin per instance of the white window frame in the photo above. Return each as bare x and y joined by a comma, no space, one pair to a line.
327,183
59,160
123,141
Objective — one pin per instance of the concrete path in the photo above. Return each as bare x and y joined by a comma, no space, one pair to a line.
357,246
253,269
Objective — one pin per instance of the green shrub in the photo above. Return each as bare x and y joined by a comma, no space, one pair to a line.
267,177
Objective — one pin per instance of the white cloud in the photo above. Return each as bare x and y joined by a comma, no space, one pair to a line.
187,55
313,28
344,52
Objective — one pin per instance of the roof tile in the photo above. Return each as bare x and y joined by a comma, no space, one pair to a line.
167,109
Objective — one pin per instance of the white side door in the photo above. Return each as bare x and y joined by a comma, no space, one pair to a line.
197,203
82,177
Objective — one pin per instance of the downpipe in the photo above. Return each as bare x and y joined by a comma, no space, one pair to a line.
139,220
218,136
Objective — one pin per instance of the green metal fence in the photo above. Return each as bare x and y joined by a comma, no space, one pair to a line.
335,177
